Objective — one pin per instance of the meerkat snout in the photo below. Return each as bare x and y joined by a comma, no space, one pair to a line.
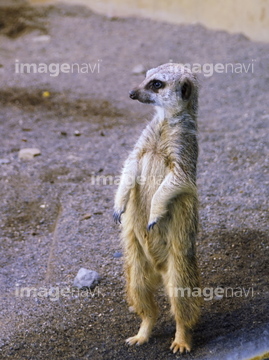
133,94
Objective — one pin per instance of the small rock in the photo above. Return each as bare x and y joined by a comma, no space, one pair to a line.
86,278
117,254
77,133
138,69
4,161
86,216
64,133
29,153
41,38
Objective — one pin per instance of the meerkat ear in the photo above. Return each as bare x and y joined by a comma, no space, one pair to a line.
185,89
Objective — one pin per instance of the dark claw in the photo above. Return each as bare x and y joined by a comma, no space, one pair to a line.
151,225
117,217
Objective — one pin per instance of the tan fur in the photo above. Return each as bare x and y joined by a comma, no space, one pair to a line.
157,203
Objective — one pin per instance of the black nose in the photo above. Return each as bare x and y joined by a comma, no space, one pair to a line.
133,94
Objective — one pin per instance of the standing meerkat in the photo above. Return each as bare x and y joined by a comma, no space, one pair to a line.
157,204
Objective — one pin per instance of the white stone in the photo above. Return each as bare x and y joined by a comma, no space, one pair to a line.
42,38
86,278
28,153
4,161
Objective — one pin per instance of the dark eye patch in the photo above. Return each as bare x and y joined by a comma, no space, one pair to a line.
155,85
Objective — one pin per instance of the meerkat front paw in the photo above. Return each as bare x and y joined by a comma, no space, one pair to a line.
153,220
180,346
117,216
151,225
137,340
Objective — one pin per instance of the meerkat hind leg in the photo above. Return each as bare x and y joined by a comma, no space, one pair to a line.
182,341
142,282
145,307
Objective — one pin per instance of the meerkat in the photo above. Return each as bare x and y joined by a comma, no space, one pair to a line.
157,204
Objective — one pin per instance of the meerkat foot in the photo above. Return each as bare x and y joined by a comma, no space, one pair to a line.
143,333
182,341
137,340
181,346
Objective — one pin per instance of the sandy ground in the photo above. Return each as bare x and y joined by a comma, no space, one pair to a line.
56,215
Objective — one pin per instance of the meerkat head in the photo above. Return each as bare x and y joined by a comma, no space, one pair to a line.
170,86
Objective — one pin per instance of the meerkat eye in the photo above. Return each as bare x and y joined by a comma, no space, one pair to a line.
157,84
